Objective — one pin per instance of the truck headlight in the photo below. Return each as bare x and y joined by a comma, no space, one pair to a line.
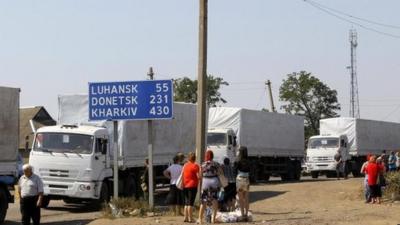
84,187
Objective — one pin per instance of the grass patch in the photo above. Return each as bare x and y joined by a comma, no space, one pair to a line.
392,189
125,207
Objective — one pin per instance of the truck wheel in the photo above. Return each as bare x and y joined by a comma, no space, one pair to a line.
104,193
3,205
45,202
130,187
314,174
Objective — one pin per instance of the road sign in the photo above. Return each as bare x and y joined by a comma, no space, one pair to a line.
131,100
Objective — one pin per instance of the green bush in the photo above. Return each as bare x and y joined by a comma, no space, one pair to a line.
392,189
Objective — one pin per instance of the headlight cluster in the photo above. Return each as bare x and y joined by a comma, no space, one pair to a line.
84,187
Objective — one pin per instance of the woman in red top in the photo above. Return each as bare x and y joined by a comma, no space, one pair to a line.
191,175
373,170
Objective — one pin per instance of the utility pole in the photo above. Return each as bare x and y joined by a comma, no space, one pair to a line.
271,99
354,102
202,83
150,74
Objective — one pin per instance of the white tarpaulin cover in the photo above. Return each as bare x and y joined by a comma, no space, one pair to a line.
263,133
364,136
9,124
170,136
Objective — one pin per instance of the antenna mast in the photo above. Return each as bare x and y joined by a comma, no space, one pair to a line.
354,102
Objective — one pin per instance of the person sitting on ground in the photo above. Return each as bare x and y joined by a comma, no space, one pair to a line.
210,186
242,169
175,196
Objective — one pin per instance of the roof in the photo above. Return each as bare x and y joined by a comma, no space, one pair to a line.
40,118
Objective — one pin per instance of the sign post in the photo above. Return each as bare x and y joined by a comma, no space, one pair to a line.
150,152
131,100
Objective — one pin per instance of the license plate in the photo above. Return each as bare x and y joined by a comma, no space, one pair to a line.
55,191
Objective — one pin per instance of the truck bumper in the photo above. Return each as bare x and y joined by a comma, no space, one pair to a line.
322,166
84,190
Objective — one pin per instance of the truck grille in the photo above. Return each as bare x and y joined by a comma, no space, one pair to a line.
321,159
55,173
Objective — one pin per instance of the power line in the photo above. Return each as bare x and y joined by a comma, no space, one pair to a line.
352,22
355,17
388,115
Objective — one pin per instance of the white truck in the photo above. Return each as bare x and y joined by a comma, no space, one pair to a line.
9,134
275,141
75,157
354,139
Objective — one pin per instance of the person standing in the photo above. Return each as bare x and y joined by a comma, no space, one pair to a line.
144,180
339,163
242,169
230,190
175,196
373,170
30,189
392,162
385,159
210,185
367,192
398,160
191,176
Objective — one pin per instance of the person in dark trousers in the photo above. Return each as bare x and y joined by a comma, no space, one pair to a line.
242,169
30,189
339,163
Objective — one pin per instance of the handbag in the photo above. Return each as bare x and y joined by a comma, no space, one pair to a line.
179,181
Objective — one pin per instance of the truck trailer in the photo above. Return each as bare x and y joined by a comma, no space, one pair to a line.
275,141
75,157
9,134
354,139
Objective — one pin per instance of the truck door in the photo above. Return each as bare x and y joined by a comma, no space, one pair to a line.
99,156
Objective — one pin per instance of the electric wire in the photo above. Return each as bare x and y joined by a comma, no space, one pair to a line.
352,22
354,17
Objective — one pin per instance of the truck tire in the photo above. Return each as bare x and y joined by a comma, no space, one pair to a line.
104,193
45,202
314,174
130,187
3,204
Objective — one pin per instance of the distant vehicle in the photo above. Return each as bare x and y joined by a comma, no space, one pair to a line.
75,158
9,119
354,138
275,141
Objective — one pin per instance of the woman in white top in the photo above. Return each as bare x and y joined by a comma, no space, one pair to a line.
175,196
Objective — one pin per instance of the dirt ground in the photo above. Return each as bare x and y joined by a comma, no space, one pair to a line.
322,201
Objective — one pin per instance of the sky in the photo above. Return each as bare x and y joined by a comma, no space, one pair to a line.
54,47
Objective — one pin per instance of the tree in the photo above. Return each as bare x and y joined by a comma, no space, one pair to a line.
186,90
307,96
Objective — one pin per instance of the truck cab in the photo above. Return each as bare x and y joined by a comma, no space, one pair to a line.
73,162
223,144
321,150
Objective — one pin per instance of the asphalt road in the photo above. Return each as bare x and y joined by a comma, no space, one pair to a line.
58,213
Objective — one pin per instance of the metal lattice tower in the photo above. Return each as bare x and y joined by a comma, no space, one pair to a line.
354,102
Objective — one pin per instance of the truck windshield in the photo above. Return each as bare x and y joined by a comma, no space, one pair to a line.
216,139
64,143
324,143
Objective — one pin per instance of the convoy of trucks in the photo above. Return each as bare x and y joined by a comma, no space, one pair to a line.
75,157
275,141
9,134
354,139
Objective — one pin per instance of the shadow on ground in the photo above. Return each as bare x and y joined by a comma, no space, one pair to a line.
262,195
71,222
73,208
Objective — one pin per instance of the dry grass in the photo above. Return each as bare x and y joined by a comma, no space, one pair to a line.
125,207
392,189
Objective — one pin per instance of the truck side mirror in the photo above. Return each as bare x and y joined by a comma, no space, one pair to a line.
234,141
